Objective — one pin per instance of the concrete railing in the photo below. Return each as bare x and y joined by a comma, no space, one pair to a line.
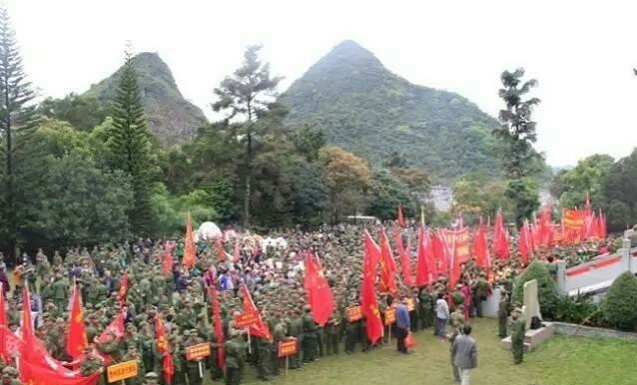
597,274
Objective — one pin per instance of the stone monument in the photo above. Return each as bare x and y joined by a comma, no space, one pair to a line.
531,306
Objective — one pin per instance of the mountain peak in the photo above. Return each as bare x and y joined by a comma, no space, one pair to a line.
366,109
349,53
170,117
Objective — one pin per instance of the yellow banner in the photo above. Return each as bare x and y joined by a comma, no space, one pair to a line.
122,371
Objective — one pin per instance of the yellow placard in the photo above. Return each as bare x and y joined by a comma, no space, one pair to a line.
354,314
411,304
122,371
390,316
199,351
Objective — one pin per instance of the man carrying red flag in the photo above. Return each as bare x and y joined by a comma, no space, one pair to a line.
369,302
76,339
164,350
387,266
190,252
319,293
218,329
260,328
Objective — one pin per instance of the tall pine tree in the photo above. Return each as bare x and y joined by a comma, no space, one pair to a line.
130,146
517,134
248,95
21,169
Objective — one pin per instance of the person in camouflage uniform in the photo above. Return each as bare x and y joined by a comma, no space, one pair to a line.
503,313
10,376
309,344
333,335
517,336
192,367
426,307
235,352
133,355
295,330
92,363
151,378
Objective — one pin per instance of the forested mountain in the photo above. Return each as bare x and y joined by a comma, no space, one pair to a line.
171,118
372,112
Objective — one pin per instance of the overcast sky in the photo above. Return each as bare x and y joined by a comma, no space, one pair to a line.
581,52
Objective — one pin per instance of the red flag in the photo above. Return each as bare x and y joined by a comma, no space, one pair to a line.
403,253
401,218
33,373
480,248
524,246
387,265
237,251
218,325
369,302
163,348
422,267
441,252
221,253
4,351
259,329
190,253
454,277
123,289
319,294
116,327
167,265
76,339
500,237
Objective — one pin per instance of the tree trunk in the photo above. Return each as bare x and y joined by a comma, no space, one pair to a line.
248,182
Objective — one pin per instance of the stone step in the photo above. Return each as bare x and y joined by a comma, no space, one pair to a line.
506,343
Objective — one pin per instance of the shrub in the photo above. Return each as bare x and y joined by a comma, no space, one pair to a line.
576,309
547,291
620,307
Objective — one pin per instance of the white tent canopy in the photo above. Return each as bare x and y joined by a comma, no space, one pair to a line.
208,231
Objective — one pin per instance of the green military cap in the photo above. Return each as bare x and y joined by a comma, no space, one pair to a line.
194,332
186,333
151,376
10,371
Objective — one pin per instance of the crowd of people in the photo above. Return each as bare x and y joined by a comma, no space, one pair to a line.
272,275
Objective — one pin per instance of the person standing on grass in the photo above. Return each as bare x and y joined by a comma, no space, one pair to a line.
465,355
517,336
403,325
442,315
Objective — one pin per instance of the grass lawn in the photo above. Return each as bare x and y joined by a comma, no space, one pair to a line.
560,361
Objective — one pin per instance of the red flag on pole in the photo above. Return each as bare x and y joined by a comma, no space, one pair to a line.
218,326
221,252
369,302
480,248
524,246
164,349
387,265
260,328
401,218
500,237
123,289
319,294
237,251
4,352
405,262
441,252
76,339
422,267
190,254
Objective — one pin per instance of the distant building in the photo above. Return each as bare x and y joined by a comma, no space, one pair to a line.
441,197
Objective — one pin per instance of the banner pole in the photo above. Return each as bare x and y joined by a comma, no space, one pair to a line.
249,343
200,370
287,364
390,333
